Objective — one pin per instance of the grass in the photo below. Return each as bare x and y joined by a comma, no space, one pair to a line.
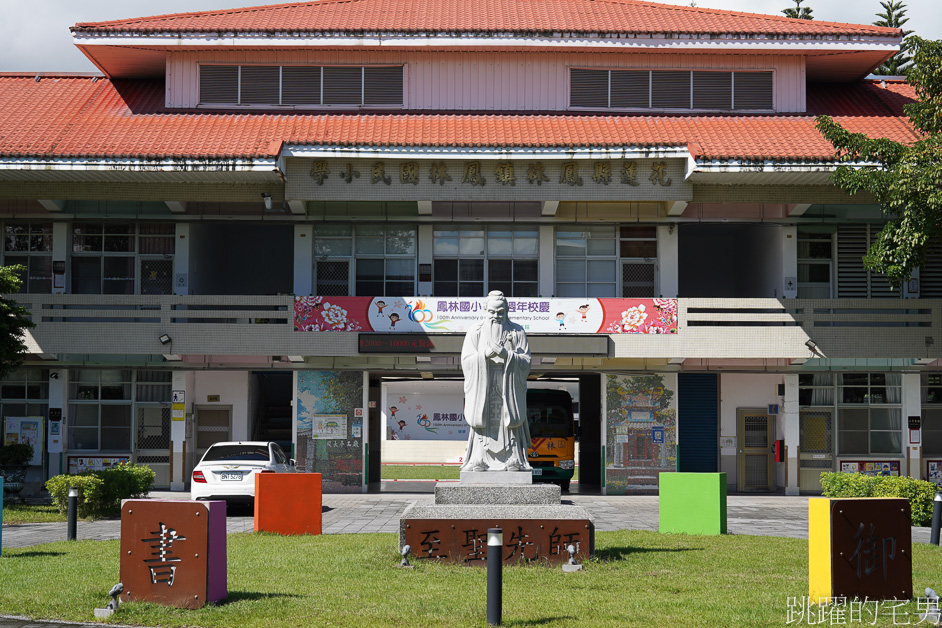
428,472
31,513
637,579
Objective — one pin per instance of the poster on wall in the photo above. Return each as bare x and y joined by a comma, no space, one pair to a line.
458,314
934,472
329,426
881,468
25,430
640,431
424,411
80,464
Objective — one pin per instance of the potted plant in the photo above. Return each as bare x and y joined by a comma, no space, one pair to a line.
14,458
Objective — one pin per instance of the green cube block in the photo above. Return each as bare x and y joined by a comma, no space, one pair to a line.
692,503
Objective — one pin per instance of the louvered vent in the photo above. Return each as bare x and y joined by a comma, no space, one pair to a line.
712,90
930,275
753,90
343,86
588,88
631,89
382,86
851,274
219,84
260,84
670,90
300,85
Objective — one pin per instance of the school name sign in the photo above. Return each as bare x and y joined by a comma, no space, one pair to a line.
458,314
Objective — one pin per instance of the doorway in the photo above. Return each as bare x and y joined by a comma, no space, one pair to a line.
213,425
755,430
815,448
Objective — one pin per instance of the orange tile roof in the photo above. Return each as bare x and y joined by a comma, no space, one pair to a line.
511,16
69,117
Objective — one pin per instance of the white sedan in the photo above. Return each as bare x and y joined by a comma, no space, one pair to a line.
227,470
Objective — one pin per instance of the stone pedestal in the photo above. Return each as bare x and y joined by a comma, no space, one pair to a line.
536,526
497,477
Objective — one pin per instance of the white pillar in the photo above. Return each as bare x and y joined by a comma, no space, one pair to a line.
667,261
912,406
303,260
61,243
789,288
58,397
546,286
180,410
181,259
790,412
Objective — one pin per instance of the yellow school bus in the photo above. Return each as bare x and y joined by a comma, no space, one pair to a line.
552,435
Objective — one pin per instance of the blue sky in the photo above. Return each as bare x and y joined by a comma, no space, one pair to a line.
36,35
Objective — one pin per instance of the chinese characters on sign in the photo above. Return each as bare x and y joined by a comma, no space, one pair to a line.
474,173
164,562
525,540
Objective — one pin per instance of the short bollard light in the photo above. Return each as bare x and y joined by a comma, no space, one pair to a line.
73,512
936,518
495,547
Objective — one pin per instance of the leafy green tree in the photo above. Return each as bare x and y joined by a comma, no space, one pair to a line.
14,320
798,12
906,179
894,16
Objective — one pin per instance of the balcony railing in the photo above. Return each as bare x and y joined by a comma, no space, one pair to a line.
708,328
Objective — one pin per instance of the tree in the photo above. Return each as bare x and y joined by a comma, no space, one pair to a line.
906,179
894,16
14,320
799,12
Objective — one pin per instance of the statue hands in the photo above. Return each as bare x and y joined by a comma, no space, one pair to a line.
497,353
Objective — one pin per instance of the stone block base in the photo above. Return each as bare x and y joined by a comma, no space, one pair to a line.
497,477
521,494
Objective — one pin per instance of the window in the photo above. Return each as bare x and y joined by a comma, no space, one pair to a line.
866,421
606,261
931,414
472,260
380,258
816,389
670,89
30,245
122,258
853,280
100,409
815,255
299,86
25,392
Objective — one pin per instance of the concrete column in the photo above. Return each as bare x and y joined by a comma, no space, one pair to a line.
546,285
667,261
181,408
426,237
58,398
790,413
303,260
912,406
61,243
789,288
181,259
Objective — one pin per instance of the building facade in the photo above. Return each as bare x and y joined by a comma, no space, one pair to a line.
274,223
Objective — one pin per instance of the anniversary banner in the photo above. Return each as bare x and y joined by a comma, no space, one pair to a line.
457,314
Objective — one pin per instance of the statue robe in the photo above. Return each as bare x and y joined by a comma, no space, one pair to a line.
495,397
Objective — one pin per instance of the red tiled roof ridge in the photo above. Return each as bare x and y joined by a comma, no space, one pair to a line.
812,24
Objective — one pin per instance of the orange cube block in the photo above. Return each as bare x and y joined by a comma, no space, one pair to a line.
288,503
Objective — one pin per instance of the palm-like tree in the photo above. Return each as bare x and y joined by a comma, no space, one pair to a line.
798,12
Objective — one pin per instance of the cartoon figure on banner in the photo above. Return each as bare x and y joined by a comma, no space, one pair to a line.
393,410
584,309
393,319
561,319
380,305
398,434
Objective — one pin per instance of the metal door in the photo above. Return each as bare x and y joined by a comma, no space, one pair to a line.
213,425
153,441
815,447
638,279
755,462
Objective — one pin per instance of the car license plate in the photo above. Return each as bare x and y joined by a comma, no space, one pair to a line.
230,477
537,471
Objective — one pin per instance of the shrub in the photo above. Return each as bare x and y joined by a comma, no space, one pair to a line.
16,454
101,492
919,492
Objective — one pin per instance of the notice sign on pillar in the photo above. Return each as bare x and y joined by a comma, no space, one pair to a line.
173,552
54,431
178,406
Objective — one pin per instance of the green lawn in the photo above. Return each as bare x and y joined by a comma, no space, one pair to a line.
637,579
31,513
